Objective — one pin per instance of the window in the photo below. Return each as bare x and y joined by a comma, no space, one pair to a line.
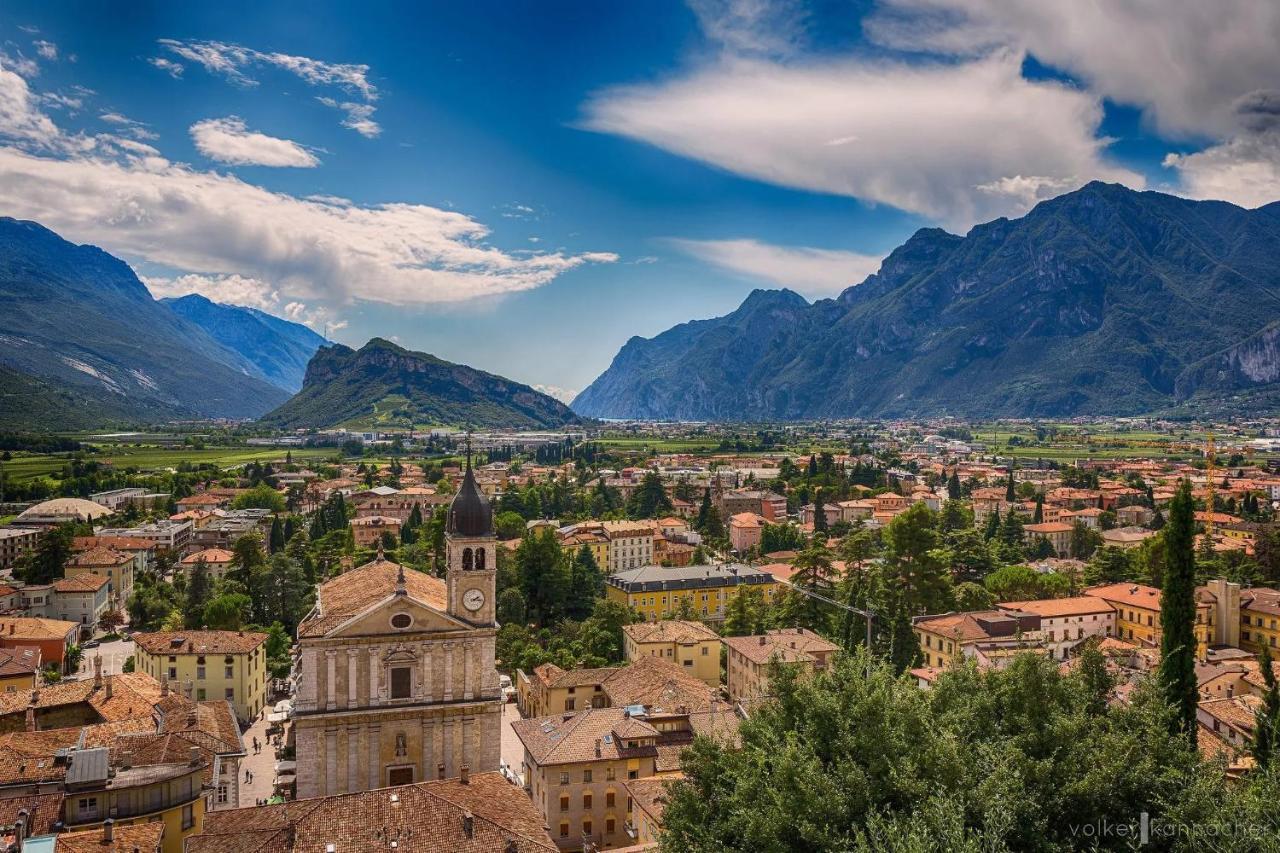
586,777
230,694
586,801
188,816
173,673
222,793
200,694
608,799
586,827
200,673
564,802
564,829
229,672
400,776
609,826
704,651
401,681
401,620
632,774
569,703
609,774
564,778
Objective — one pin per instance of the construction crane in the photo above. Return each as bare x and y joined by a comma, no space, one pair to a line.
1209,501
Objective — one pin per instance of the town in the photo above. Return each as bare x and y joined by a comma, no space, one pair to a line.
517,641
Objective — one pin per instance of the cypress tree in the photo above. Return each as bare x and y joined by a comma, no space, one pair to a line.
819,511
1267,719
276,540
953,487
993,525
1038,516
813,465
1178,613
1010,494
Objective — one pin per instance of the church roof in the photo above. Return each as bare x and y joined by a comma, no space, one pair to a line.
470,513
350,593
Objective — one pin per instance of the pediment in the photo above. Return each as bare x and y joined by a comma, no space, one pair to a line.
375,620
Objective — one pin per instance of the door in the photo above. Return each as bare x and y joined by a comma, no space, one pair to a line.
400,776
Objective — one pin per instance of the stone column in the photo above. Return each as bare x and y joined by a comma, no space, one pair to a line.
425,688
468,669
353,759
468,754
448,670
329,784
449,751
428,750
373,751
375,696
353,677
331,679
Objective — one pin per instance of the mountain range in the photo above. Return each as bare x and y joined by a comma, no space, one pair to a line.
278,349
1102,301
383,384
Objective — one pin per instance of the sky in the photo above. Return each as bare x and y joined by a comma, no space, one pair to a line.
524,185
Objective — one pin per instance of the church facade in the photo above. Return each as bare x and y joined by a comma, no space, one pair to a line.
397,682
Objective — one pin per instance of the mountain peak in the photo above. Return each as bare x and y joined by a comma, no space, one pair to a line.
769,298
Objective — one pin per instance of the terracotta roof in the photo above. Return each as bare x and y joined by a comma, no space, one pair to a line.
1239,712
1080,605
571,738
1261,599
669,631
21,660
789,644
81,583
650,795
657,683
351,592
1048,527
430,816
117,543
43,811
27,757
209,555
1131,594
36,628
99,556
133,694
127,838
554,677
199,642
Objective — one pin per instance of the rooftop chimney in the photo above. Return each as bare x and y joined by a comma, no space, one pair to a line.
597,747
97,672
192,719
108,831
20,828
762,639
109,688
126,759
440,770
468,824
196,758
465,777
164,685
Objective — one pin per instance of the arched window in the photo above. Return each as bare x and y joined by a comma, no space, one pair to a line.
479,559
466,559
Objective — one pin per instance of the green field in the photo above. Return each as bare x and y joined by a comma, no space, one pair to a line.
150,458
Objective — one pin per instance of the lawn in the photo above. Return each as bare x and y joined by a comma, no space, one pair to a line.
147,458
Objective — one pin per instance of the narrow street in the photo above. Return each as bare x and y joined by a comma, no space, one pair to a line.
512,749
261,766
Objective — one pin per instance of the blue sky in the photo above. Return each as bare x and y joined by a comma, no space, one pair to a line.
522,186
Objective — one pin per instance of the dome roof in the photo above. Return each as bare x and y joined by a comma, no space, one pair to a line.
470,513
77,508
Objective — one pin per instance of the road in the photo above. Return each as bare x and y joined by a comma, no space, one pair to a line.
114,654
512,749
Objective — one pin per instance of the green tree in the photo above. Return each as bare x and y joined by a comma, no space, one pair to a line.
260,496
972,596
48,560
276,540
912,557
1266,723
511,610
745,614
1010,492
508,525
1178,614
586,584
819,512
1084,541
814,576
227,612
545,577
197,596
650,499
953,487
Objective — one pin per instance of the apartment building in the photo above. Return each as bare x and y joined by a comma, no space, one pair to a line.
690,645
656,592
630,544
749,658
1067,622
15,542
230,665
949,637
117,567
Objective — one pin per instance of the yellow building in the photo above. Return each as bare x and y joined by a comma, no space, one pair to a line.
647,680
749,658
116,566
656,591
944,638
19,669
229,665
1138,614
691,645
169,793
595,540
1259,619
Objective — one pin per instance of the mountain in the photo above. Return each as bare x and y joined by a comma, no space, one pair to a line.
1100,301
384,384
277,348
77,325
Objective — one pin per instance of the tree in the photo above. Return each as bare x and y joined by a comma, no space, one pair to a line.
260,496
276,540
199,590
972,596
1266,724
1084,541
819,512
780,537
585,586
745,614
649,500
953,486
1109,565
912,557
1177,675
508,525
813,575
968,556
227,612
1010,491
48,560
1023,583
545,577
111,619
510,607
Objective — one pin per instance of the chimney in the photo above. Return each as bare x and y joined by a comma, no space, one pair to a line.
597,747
108,831
189,688
126,759
192,719
1231,689
20,828
465,777
31,718
164,685
511,846
440,770
97,672
468,824
109,688
762,639
196,759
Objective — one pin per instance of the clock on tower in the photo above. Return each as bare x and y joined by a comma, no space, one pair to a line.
470,546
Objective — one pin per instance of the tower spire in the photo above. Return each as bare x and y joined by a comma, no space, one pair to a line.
400,582
468,448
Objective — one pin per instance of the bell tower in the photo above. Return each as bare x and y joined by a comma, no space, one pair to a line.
471,553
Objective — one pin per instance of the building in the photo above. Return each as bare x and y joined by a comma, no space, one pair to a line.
1138,614
143,550
949,637
1126,537
83,599
230,665
216,561
1067,622
129,838
691,645
368,531
747,668
117,567
477,813
19,668
576,766
654,682
166,535
656,591
16,542
745,531
228,528
396,680
1259,618
117,498
1057,532
51,513
648,800
574,538
630,544
51,636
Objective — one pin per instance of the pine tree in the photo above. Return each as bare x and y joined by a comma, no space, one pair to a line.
813,465
1266,725
1010,493
953,487
198,592
276,539
819,512
993,525
1178,613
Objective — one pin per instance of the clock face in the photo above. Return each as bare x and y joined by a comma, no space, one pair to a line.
473,599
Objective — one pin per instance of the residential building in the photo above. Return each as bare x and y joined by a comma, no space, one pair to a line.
396,676
747,676
576,765
16,542
656,591
773,507
117,567
574,537
83,598
166,535
738,501
117,498
216,561
1067,622
1259,618
1057,532
647,799
745,531
652,681
691,645
143,550
230,665
368,531
51,636
476,813
1138,614
630,545
1126,538
226,529
19,668
949,637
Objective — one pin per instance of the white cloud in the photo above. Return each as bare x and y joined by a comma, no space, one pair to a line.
232,61
225,289
769,27
20,117
920,137
215,224
359,116
813,272
228,140
1244,170
46,49
173,69
1184,63
136,129
19,64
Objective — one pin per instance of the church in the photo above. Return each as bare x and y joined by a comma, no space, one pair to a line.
397,681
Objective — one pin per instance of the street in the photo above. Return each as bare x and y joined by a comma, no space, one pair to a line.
512,749
262,765
114,654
